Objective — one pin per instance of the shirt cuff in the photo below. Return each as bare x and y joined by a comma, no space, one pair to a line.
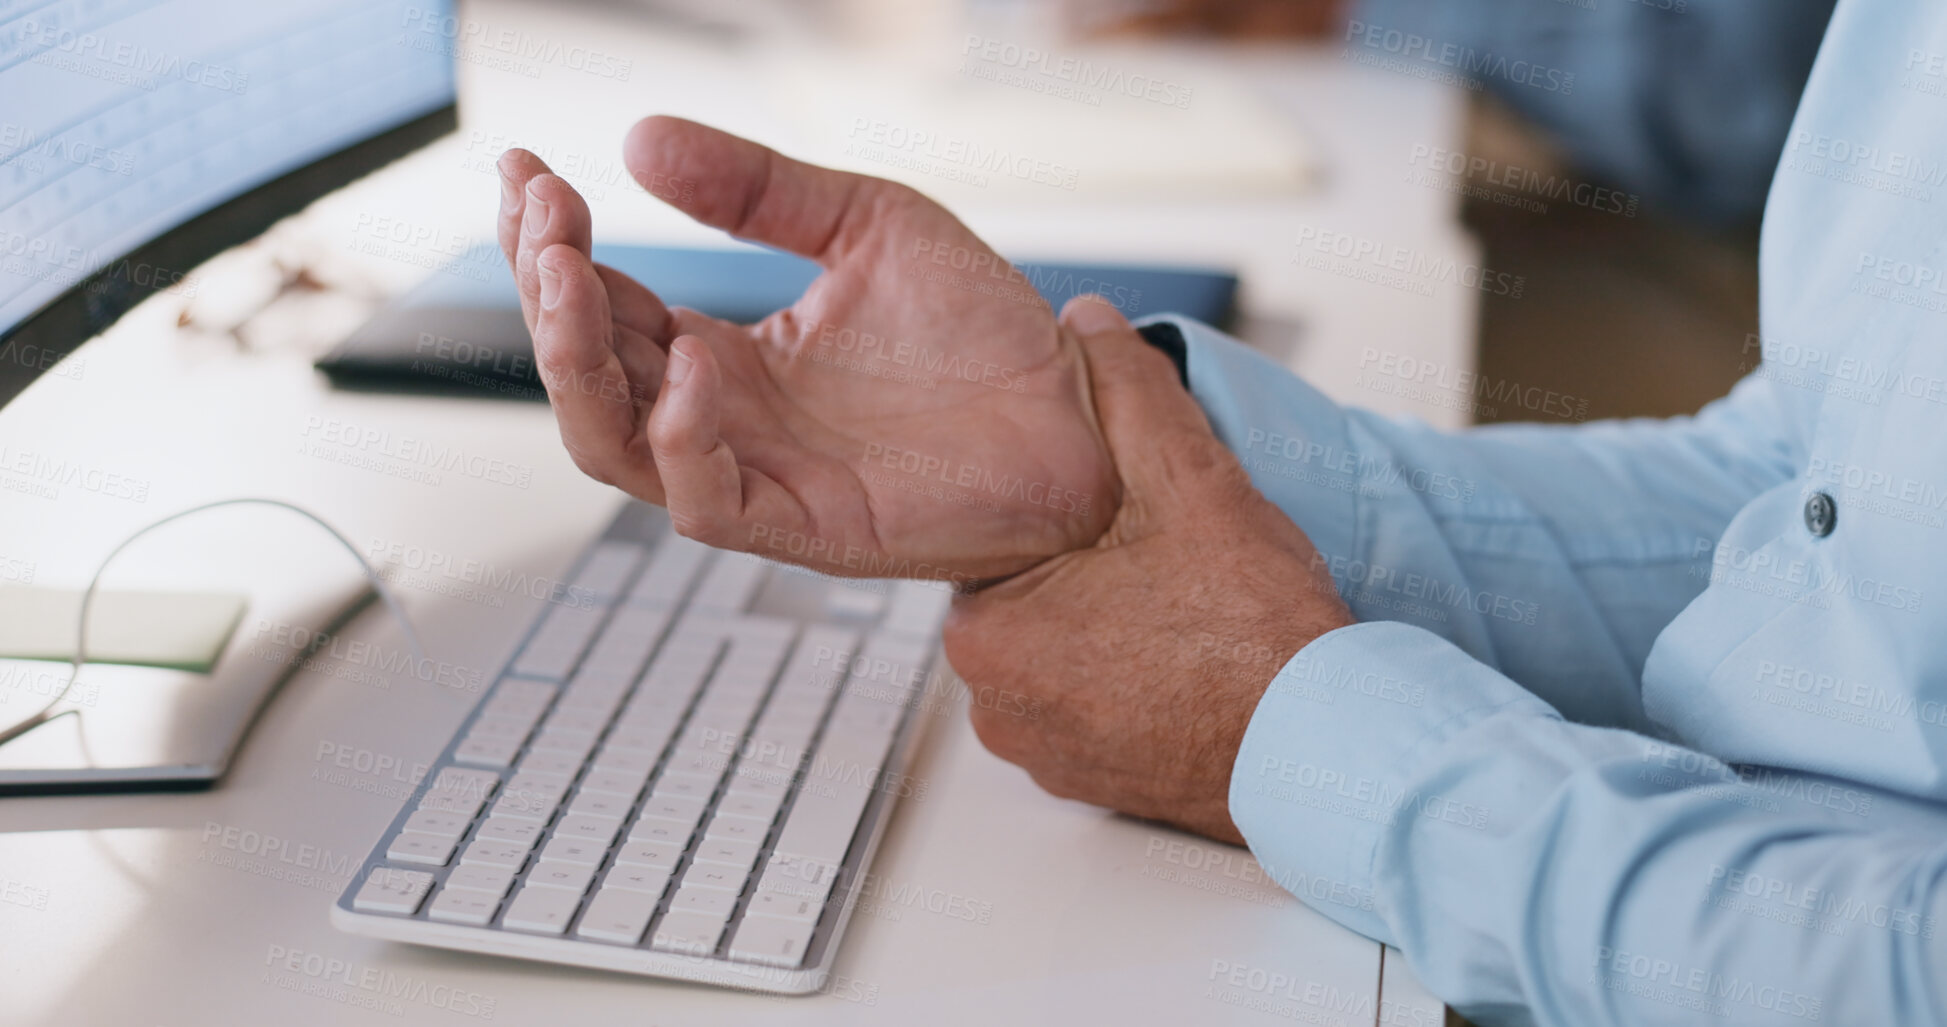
1331,758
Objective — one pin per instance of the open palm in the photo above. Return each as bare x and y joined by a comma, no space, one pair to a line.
918,412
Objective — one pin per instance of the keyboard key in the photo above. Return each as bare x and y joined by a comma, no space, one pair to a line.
650,740
710,877
784,906
624,645
735,855
554,786
575,720
607,566
487,752
651,880
599,703
439,822
533,796
546,910
551,653
772,941
568,741
730,584
750,807
670,572
691,933
820,824
617,915
652,711
759,781
461,781
798,877
657,855
676,768
627,760
673,808
704,900
598,830
481,878
682,787
661,831
524,806
460,906
574,850
600,804
844,599
549,763
391,890
572,877
524,693
509,705
737,829
514,728
433,850
462,804
615,782
707,765
652,703
507,829
488,852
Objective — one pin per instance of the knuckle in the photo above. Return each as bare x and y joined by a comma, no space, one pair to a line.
962,638
998,735
588,463
1054,785
697,526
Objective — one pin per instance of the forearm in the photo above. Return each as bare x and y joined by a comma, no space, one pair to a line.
1535,870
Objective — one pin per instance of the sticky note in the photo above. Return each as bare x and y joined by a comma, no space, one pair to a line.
180,630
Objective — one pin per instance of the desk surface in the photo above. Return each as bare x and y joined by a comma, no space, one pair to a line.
992,902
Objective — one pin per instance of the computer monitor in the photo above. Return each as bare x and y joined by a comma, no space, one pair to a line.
139,138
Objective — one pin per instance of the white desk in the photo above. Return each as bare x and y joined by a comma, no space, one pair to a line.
164,909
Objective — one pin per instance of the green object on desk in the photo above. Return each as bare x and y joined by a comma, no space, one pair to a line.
179,630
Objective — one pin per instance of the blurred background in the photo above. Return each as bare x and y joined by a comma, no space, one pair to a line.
1594,171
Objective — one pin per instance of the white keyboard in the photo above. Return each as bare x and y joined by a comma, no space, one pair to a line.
683,771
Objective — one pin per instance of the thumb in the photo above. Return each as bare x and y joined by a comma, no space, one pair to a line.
1163,447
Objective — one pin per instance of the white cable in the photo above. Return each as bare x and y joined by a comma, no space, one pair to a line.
88,596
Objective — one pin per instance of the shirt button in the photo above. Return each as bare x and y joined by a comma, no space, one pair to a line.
1821,514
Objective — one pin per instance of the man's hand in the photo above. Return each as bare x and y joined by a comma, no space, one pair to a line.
1146,654
917,413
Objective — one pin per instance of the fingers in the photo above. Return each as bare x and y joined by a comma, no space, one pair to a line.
552,214
634,305
703,486
1161,442
642,329
755,193
593,400
516,167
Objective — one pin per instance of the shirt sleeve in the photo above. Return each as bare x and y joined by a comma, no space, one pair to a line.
1554,554
1535,870
1687,102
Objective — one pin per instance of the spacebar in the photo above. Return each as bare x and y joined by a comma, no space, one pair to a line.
823,820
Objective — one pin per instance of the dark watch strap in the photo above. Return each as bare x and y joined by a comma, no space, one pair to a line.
1167,337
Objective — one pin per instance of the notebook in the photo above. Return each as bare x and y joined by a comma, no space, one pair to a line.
460,332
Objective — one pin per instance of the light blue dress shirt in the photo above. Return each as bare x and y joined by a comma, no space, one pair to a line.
1627,734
